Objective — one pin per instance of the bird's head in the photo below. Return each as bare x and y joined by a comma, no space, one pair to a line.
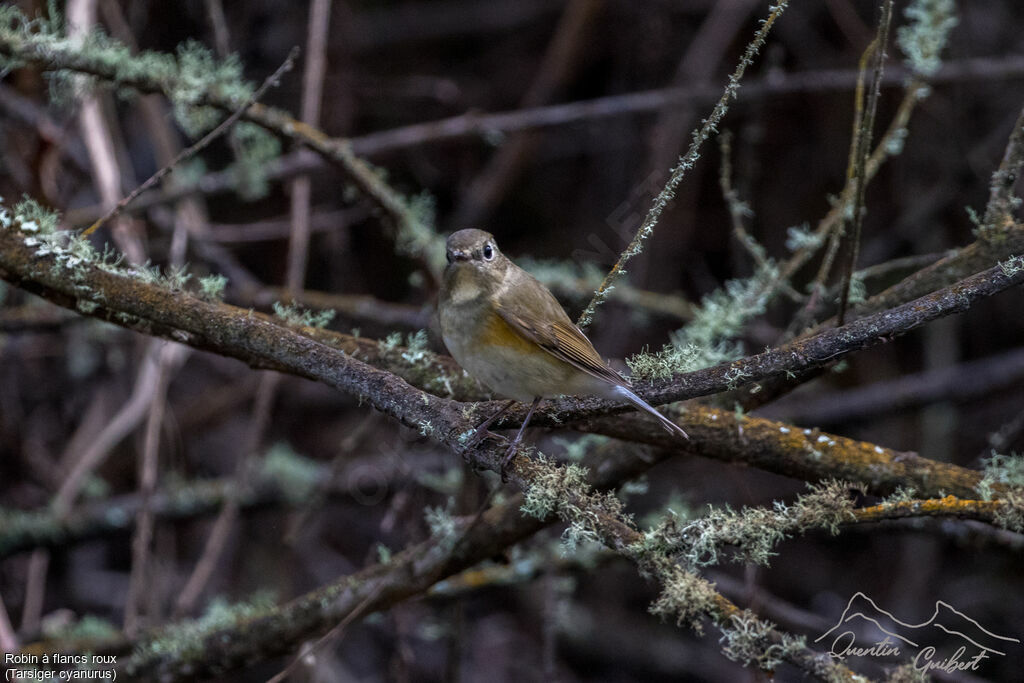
474,262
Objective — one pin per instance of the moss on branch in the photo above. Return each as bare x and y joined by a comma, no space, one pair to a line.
808,454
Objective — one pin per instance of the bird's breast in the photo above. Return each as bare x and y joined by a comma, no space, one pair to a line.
495,354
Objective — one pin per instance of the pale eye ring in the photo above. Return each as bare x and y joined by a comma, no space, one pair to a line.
488,252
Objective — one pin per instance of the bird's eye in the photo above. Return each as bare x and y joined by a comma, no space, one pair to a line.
450,256
488,252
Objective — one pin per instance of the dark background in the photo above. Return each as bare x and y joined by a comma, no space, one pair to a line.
392,64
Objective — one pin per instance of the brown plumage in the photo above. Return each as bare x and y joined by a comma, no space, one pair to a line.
508,331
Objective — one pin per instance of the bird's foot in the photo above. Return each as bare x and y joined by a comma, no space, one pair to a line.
510,455
482,433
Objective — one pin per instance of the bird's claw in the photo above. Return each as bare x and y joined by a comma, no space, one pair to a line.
480,436
510,454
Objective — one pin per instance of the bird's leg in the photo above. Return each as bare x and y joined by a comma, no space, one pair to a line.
511,452
481,430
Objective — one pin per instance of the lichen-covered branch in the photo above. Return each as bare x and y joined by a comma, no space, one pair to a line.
476,124
108,61
808,454
944,272
108,292
193,650
990,511
752,534
1001,203
804,354
158,310
196,648
285,479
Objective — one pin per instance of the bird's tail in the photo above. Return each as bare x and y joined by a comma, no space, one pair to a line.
670,426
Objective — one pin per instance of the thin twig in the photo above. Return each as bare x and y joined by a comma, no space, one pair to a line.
188,153
147,474
664,198
474,125
8,638
864,132
829,226
312,93
999,211
961,382
35,590
697,67
99,139
738,211
122,424
219,24
560,61
217,540
332,635
200,498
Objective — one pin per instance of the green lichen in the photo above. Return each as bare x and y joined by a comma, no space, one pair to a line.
1007,470
577,448
752,533
552,487
709,338
296,315
675,510
418,365
187,639
901,495
755,642
417,236
35,218
449,482
568,277
256,148
684,598
1012,265
1010,514
925,36
444,528
89,628
907,673
384,554
416,350
212,287
579,538
187,77
296,475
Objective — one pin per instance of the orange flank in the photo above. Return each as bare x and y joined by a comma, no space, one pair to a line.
497,332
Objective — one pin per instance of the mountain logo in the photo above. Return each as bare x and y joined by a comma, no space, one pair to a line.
948,641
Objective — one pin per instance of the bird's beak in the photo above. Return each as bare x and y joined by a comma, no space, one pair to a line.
460,255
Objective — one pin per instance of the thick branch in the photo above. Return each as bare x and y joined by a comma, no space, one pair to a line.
259,341
950,506
159,310
803,354
281,629
807,454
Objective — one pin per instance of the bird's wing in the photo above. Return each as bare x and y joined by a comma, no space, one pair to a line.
550,328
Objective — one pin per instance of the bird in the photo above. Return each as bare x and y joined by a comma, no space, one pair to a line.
508,331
